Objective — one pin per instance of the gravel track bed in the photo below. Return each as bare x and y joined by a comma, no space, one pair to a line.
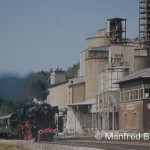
40,146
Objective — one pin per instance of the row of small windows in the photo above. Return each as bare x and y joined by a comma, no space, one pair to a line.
132,95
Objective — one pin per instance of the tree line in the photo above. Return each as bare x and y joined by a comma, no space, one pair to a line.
16,91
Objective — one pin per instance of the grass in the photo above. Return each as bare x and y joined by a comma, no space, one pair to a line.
11,147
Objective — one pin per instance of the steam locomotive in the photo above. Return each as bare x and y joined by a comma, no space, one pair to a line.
34,121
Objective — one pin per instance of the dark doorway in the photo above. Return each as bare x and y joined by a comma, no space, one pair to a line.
60,124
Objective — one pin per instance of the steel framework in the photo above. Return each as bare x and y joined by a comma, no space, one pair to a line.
144,22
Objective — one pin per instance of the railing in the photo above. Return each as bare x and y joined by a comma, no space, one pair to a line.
91,35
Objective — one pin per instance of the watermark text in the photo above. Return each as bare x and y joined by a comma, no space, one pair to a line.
124,136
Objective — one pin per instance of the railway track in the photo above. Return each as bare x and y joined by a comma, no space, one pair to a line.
107,145
102,144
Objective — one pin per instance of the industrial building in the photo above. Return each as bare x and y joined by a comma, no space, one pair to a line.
66,94
91,101
134,107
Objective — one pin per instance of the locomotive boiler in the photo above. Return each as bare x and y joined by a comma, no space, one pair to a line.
34,121
37,121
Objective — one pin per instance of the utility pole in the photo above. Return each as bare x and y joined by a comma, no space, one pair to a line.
113,117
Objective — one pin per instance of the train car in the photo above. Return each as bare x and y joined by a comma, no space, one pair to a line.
8,126
37,122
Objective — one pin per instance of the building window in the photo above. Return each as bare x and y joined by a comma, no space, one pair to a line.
141,93
122,99
134,121
126,96
147,93
148,125
136,93
69,94
131,95
148,106
125,121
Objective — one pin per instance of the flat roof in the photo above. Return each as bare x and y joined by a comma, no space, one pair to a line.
123,19
88,102
56,84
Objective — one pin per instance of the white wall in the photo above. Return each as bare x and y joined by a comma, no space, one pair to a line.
74,119
82,64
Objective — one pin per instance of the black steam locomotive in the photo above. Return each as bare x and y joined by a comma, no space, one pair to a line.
34,121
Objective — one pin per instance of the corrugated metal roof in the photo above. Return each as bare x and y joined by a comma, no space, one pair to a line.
88,102
140,74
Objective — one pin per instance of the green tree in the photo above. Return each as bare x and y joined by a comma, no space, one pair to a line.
72,72
59,69
46,74
7,107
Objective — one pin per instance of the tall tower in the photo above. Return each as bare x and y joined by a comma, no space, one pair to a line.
144,22
116,30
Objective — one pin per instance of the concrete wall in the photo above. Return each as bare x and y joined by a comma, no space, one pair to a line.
95,42
76,90
74,120
128,55
124,53
98,40
142,62
57,76
109,77
78,93
142,59
71,124
94,64
136,59
58,95
64,93
74,81
101,32
82,64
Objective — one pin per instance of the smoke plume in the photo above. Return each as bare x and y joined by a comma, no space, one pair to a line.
34,85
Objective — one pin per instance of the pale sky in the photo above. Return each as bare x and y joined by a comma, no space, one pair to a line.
42,34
